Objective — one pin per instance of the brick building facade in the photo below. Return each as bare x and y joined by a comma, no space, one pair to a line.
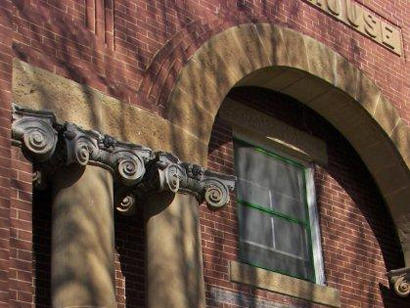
324,83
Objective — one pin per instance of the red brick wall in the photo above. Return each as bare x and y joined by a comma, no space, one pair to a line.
134,50
358,241
21,274
5,155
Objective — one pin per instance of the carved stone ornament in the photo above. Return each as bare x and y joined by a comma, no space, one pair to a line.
137,170
400,279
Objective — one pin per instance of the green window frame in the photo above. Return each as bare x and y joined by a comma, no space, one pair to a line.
313,250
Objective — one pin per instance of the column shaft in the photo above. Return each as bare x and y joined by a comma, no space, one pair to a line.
82,272
173,252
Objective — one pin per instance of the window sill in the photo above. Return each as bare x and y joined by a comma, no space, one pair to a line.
264,279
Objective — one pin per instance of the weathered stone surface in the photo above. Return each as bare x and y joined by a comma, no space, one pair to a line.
260,77
346,76
82,261
321,60
260,278
193,118
392,178
379,155
307,88
248,39
173,252
401,139
199,84
223,54
272,132
296,49
273,42
285,79
367,94
399,201
386,115
274,78
39,89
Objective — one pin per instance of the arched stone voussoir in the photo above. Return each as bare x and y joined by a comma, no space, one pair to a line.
284,60
193,118
321,60
400,137
237,51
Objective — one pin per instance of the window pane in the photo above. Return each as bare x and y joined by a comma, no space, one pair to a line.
255,226
283,181
253,193
290,238
271,259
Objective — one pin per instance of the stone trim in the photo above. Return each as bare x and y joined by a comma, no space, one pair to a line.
137,170
219,296
400,279
275,282
284,60
249,123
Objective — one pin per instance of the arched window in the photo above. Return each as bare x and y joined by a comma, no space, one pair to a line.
277,213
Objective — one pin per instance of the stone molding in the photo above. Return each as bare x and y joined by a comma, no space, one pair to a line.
275,282
284,60
137,170
400,280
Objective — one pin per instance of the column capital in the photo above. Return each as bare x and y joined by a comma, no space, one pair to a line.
400,279
137,170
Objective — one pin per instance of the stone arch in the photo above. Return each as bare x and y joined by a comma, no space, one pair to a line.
284,60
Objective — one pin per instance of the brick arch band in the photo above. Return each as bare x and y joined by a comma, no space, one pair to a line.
283,60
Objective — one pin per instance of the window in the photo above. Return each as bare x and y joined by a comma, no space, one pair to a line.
277,213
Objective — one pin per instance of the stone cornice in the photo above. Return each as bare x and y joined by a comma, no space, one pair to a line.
137,170
399,279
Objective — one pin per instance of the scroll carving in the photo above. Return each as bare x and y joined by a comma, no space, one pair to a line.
400,280
137,170
35,133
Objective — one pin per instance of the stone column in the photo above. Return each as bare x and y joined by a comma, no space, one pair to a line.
82,262
84,167
173,252
174,264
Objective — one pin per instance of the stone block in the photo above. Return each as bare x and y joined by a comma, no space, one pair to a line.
189,114
307,88
261,278
273,43
321,60
346,76
296,49
367,94
39,89
386,115
401,139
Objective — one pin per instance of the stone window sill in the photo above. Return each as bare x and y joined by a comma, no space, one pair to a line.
264,279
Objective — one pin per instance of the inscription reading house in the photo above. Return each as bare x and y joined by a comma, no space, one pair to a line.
364,21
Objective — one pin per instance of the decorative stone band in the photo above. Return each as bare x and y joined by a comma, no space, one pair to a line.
137,170
400,280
